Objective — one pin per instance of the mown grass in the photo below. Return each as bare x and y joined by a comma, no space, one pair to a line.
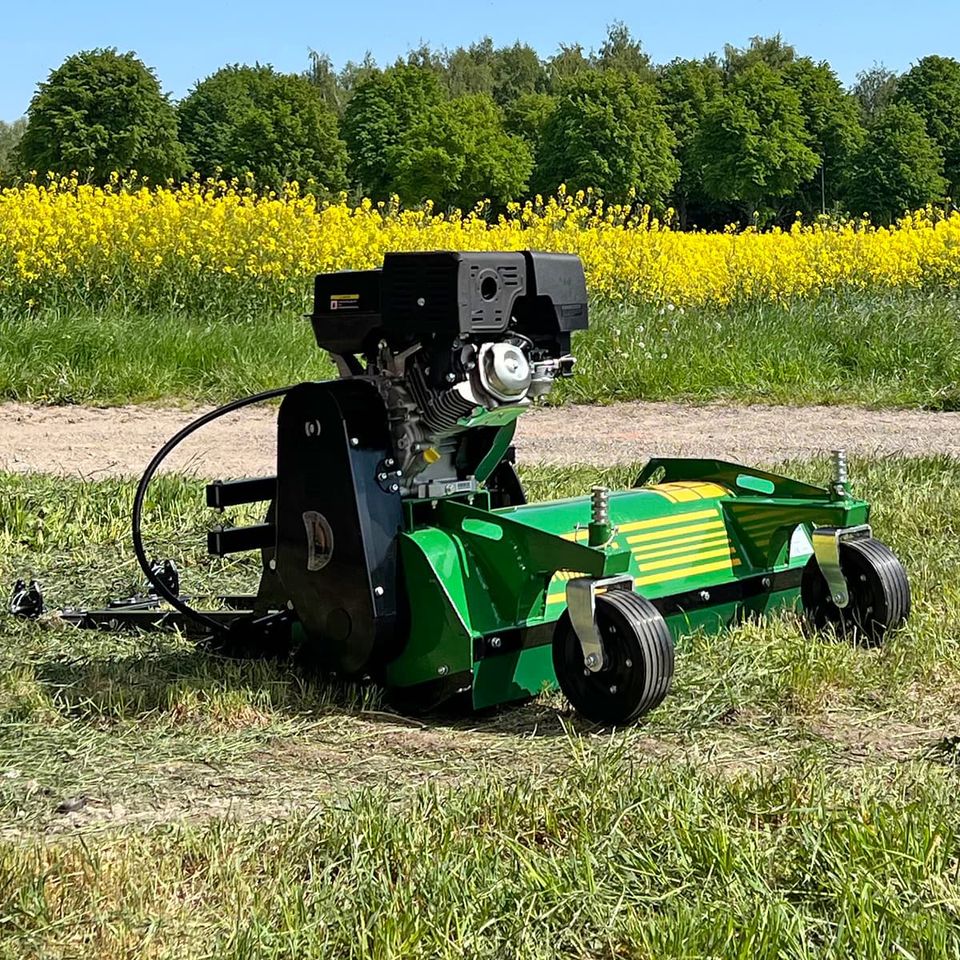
793,797
880,349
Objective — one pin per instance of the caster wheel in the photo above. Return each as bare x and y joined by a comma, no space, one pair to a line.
878,587
638,662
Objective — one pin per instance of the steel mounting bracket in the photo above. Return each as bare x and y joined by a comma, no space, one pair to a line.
582,605
826,548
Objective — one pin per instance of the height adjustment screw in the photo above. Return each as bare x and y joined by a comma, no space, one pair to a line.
600,501
840,476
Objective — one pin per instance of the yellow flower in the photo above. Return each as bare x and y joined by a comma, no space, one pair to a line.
62,231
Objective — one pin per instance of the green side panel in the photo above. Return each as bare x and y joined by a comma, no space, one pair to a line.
513,562
440,640
513,676
713,619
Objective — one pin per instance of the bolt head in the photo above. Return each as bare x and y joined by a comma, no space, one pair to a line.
378,591
394,487
289,604
838,598
381,476
443,670
388,462
354,442
272,564
704,595
613,688
591,660
628,663
496,643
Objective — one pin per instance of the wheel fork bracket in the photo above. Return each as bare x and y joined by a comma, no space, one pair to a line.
582,595
826,548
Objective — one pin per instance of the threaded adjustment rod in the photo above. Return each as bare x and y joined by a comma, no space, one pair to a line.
840,475
599,529
600,499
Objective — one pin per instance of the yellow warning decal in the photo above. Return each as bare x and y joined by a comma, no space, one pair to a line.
344,301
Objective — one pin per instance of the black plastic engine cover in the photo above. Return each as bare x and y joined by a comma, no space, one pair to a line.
449,293
337,524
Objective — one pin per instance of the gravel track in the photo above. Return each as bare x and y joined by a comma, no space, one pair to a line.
94,442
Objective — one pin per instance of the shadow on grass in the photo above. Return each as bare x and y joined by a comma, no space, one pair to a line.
190,684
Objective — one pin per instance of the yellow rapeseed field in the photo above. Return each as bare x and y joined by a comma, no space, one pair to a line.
62,235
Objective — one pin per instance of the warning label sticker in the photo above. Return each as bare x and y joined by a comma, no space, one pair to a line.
344,301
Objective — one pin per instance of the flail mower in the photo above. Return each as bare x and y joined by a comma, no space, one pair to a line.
397,544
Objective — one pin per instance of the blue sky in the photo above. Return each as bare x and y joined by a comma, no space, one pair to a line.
186,41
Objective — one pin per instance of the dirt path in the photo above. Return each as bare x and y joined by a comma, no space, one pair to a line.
92,443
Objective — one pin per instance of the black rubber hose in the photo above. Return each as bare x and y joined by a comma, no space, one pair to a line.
158,585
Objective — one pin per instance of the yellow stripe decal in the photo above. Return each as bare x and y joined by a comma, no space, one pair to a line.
724,551
687,572
692,545
684,491
696,569
647,524
667,535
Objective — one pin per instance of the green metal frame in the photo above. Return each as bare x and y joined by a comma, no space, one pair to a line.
712,542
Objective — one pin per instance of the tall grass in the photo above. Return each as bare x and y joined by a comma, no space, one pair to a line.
794,797
890,349
614,861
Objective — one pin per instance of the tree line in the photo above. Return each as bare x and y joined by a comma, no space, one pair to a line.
755,135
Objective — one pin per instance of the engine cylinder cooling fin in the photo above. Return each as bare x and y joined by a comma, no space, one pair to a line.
439,410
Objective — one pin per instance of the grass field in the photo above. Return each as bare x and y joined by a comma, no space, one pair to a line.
793,798
878,349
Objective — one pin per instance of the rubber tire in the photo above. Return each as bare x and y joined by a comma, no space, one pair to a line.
640,636
879,593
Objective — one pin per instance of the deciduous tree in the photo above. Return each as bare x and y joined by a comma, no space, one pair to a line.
381,111
899,167
932,88
875,89
459,153
274,125
752,146
832,120
687,88
609,132
10,134
98,113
